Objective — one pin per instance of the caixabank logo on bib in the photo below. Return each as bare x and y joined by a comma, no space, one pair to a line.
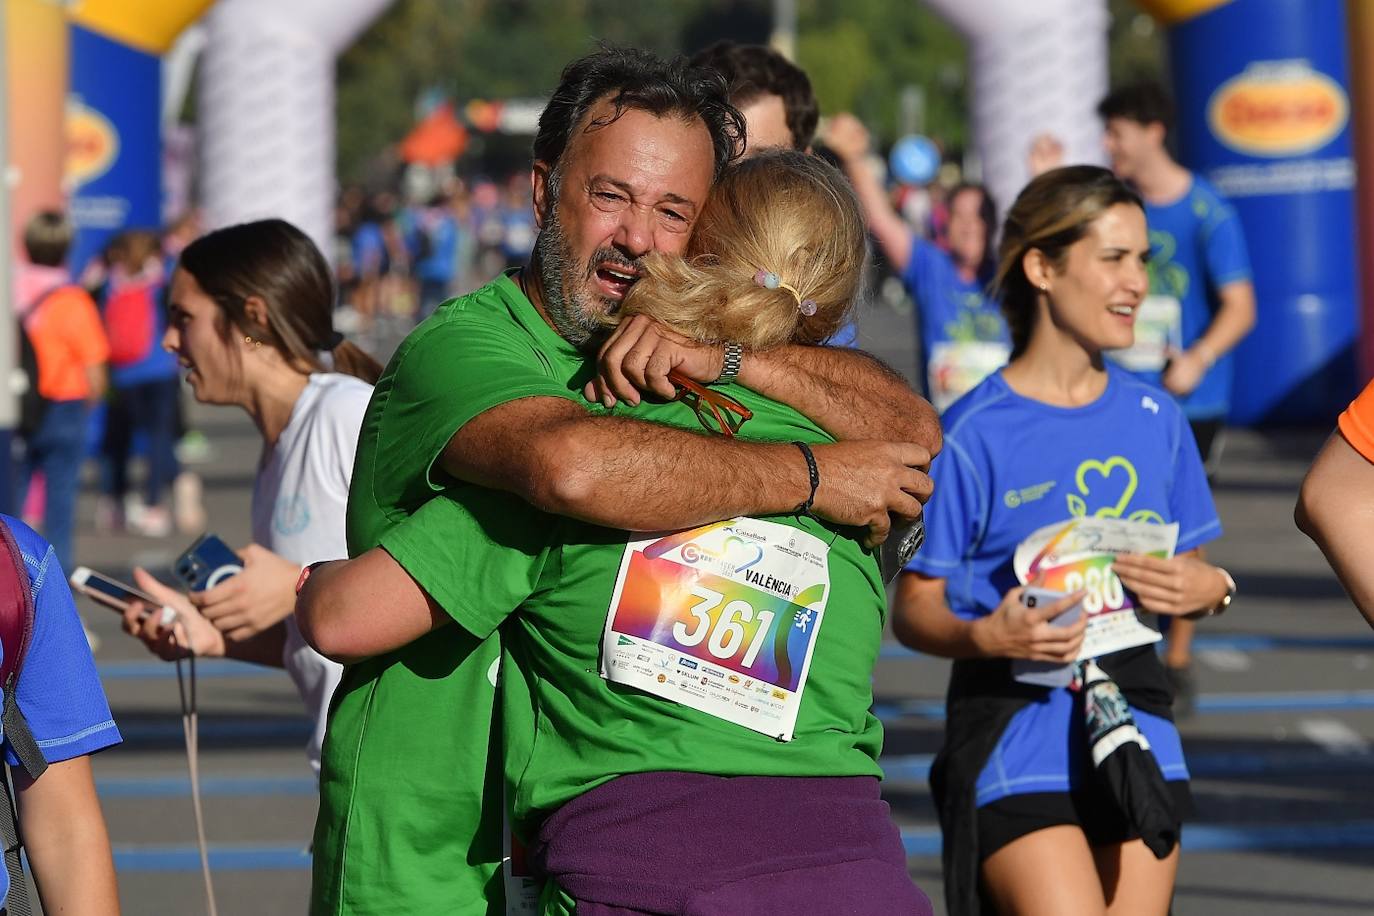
92,144
1278,108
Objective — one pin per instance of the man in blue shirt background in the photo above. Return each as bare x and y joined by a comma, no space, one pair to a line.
1201,302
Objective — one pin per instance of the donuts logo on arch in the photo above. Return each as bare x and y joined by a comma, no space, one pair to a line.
1278,108
92,144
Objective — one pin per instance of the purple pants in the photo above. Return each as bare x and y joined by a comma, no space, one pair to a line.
698,845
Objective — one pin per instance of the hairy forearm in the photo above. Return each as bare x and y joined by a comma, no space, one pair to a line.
1234,319
618,468
848,393
887,227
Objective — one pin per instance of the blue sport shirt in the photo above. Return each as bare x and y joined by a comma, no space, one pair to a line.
1012,465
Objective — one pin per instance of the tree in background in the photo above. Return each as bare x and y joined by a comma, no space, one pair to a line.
860,54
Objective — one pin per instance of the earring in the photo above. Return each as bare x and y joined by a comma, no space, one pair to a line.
257,344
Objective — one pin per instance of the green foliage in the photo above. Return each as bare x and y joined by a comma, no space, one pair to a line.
860,54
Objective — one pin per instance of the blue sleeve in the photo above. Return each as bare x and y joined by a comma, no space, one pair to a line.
59,692
1190,497
847,336
954,514
917,273
1224,241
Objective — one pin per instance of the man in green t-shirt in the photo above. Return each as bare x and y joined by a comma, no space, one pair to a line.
482,404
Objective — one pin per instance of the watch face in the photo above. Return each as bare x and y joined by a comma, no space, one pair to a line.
900,546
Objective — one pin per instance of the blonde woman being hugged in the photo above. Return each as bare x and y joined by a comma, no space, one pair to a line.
1028,819
251,310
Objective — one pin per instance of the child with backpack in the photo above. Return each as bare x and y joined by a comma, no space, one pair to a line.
61,325
143,384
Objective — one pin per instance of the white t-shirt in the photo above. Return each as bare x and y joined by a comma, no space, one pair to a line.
299,503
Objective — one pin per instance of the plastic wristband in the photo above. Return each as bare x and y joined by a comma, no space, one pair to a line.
305,574
814,474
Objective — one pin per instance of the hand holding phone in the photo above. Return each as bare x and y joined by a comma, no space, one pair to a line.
1044,673
207,563
118,595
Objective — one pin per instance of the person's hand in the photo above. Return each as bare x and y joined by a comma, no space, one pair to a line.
1178,586
1046,152
171,636
1013,630
868,483
847,137
1184,372
639,354
262,595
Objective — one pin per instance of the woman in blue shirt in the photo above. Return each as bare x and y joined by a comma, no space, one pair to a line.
962,334
1056,435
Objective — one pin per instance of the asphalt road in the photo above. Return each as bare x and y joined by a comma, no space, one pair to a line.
1280,745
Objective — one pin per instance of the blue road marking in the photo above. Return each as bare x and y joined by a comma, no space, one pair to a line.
222,858
158,670
1292,701
1238,642
918,841
241,730
1214,764
210,786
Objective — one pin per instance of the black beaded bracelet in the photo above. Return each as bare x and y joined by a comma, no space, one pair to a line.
813,473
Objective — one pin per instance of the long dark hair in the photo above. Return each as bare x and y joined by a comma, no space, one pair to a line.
276,262
1050,214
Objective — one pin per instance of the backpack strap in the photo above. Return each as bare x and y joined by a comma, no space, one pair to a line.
16,631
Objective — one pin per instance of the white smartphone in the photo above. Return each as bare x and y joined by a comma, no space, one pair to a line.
1046,674
110,592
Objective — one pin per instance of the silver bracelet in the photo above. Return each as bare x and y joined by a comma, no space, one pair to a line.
729,370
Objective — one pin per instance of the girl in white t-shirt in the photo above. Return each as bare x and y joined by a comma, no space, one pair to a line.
251,321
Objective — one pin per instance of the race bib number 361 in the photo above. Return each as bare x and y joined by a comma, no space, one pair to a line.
722,618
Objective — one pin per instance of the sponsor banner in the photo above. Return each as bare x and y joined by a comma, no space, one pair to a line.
113,165
1264,113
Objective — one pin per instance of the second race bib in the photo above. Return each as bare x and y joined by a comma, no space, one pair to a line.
955,367
1158,327
722,618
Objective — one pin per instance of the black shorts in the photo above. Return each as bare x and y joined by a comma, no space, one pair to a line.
1014,816
1211,439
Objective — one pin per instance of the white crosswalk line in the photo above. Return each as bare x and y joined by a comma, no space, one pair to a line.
1334,736
1230,660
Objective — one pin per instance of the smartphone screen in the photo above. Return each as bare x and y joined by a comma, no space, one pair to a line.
107,590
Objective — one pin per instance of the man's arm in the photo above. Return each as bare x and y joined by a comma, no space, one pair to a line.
848,393
847,138
646,477
65,838
1234,319
1336,510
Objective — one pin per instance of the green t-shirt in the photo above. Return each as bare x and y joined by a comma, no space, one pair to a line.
406,824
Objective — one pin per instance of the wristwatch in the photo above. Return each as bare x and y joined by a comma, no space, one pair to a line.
734,355
1225,602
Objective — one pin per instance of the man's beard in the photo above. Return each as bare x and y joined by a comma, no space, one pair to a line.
575,312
